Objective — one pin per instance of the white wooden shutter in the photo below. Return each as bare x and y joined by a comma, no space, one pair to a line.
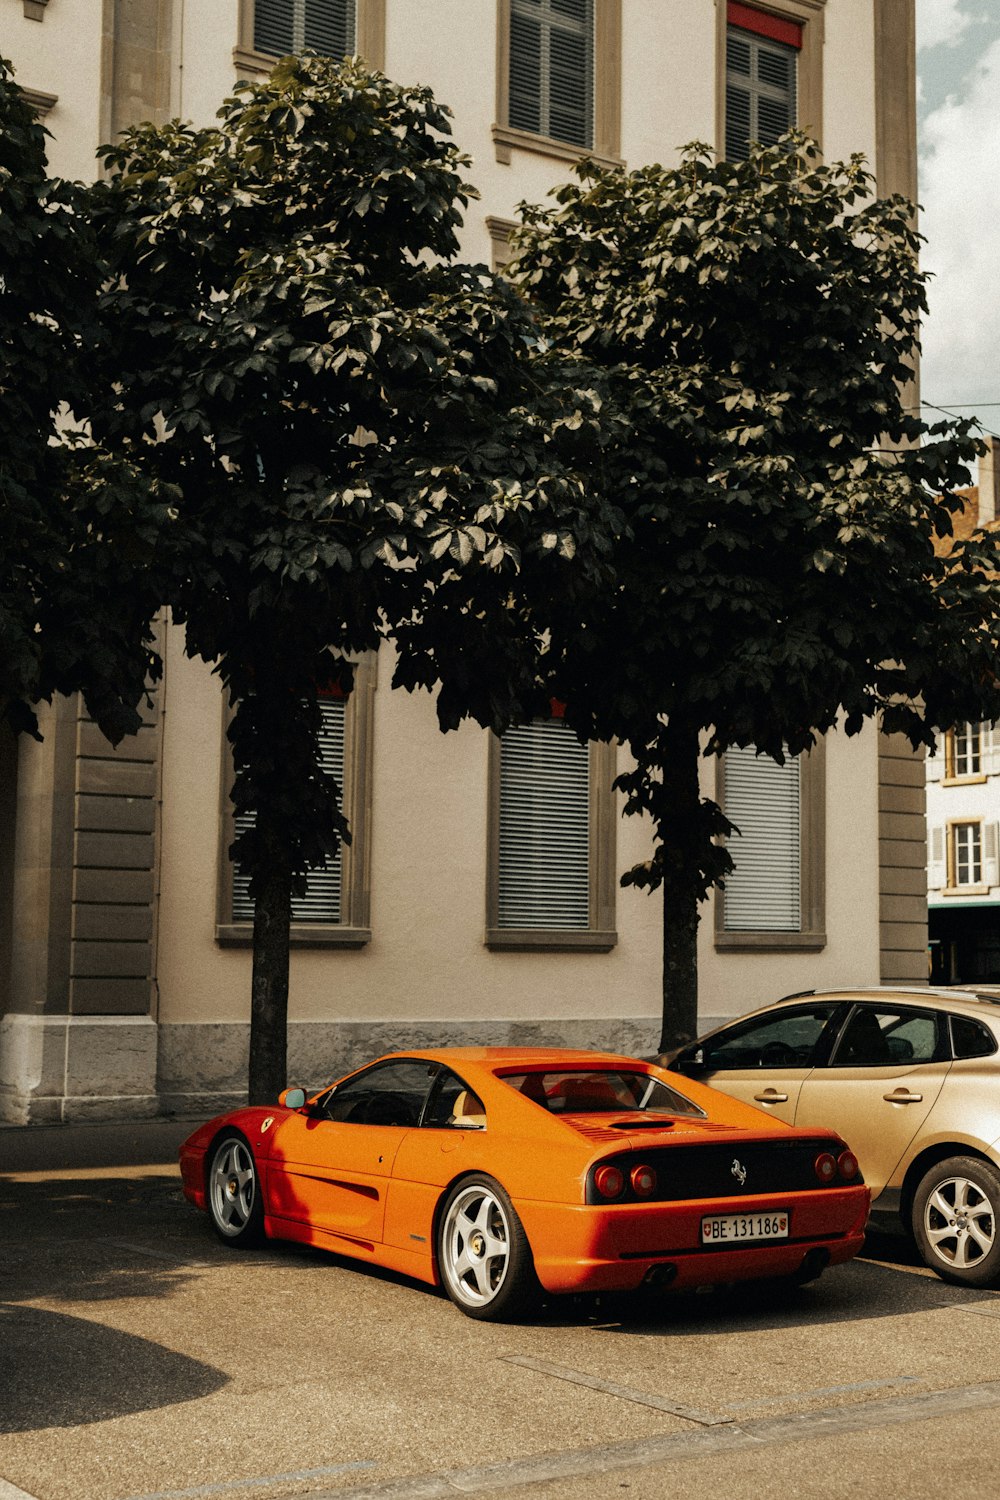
937,866
764,892
551,74
934,763
760,91
326,26
990,873
990,748
322,899
544,849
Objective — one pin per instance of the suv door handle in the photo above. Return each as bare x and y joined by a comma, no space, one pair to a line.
903,1096
771,1096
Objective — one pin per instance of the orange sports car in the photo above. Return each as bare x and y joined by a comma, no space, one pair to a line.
500,1172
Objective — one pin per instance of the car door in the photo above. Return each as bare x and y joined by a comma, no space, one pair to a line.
885,1071
765,1059
331,1166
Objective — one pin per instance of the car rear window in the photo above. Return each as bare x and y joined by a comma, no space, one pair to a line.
971,1038
590,1091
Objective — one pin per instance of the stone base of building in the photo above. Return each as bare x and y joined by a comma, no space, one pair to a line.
61,1068
95,1068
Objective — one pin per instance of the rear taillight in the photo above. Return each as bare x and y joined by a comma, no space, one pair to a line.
643,1180
609,1181
847,1165
825,1166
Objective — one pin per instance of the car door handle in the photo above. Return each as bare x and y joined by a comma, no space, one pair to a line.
903,1096
771,1096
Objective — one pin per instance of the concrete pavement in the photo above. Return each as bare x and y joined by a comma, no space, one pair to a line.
51,1148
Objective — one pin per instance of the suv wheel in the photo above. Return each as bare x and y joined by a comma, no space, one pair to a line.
956,1220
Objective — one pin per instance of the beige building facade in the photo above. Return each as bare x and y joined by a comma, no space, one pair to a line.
124,936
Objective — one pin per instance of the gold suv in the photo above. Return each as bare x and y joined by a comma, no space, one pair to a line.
910,1078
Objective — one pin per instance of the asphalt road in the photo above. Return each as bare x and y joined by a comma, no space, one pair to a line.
140,1359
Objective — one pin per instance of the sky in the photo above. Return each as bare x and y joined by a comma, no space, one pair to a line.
958,111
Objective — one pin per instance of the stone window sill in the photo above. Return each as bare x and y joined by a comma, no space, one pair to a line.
549,940
301,935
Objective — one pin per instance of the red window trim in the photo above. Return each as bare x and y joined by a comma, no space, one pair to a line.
775,28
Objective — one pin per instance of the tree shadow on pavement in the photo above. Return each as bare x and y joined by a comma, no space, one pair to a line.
61,1371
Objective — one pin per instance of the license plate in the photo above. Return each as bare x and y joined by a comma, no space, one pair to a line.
729,1229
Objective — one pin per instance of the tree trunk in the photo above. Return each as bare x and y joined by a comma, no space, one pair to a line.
269,985
679,832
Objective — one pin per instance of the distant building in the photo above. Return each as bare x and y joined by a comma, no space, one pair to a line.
963,811
479,900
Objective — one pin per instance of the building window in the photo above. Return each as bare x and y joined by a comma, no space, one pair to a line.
551,880
775,896
965,855
334,909
770,72
336,28
559,78
963,751
283,26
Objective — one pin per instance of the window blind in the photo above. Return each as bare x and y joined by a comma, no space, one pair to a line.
322,899
764,892
284,26
551,76
544,849
760,91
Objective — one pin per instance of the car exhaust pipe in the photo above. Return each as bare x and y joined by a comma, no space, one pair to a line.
659,1276
814,1263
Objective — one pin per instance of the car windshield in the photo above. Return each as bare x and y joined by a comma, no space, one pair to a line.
585,1091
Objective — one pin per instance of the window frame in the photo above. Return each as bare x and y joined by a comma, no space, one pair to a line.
972,734
875,1008
810,15
600,935
369,35
606,148
967,887
354,928
811,936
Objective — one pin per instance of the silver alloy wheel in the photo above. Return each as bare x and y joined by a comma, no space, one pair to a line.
476,1246
232,1186
959,1222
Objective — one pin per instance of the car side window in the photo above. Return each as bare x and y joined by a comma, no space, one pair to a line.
453,1105
789,1037
878,1036
971,1038
390,1093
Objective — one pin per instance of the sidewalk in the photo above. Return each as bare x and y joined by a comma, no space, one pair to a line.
117,1143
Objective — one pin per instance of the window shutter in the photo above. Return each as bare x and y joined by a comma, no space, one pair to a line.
325,26
991,748
544,851
760,91
990,873
763,894
934,763
937,872
551,69
321,901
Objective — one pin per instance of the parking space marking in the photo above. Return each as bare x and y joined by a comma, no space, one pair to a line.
827,1390
230,1486
585,1463
10,1491
623,1392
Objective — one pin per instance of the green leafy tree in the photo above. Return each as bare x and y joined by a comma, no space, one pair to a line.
75,528
754,326
350,420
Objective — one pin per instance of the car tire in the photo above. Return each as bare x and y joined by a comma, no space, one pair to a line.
235,1205
484,1259
956,1220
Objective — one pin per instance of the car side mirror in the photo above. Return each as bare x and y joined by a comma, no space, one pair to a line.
292,1098
691,1061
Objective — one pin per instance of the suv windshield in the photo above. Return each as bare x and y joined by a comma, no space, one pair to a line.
578,1091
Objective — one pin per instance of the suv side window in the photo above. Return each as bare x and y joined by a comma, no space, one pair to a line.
882,1036
971,1038
793,1036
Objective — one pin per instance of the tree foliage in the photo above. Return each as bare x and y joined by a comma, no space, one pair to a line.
75,529
348,419
753,326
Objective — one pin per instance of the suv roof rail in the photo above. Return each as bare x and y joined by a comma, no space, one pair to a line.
796,995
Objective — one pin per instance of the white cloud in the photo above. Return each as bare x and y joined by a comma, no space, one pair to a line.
940,23
960,194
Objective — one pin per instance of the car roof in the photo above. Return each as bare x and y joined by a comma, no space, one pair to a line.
941,997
